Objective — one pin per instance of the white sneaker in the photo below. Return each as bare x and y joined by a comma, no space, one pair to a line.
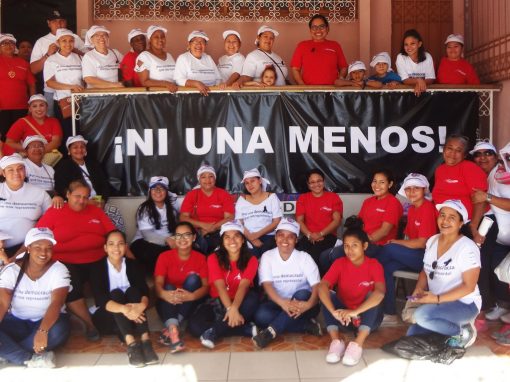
496,313
352,354
42,360
336,351
505,318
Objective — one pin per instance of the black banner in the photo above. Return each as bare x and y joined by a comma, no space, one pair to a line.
347,135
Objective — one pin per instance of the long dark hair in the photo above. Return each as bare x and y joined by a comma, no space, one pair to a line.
388,174
244,255
149,207
421,50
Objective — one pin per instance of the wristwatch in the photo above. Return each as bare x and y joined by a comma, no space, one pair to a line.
488,198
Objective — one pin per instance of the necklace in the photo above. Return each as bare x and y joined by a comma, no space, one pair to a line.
11,73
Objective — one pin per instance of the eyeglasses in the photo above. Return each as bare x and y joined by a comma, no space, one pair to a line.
487,153
186,236
431,274
318,27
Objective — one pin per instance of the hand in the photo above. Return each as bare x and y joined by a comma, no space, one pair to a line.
478,196
315,236
134,312
420,87
257,243
477,238
52,49
207,228
358,84
170,241
203,89
236,86
297,308
391,85
233,317
76,88
171,297
172,88
426,297
222,86
184,296
40,341
344,316
57,202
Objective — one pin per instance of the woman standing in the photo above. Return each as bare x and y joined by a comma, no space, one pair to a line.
259,211
257,60
180,281
207,208
195,68
155,67
230,65
319,214
155,222
32,295
17,83
454,69
447,284
100,65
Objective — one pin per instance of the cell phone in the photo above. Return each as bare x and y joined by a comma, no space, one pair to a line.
412,298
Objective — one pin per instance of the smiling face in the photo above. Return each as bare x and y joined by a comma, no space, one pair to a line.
454,50
115,247
66,44
454,151
266,41
14,176
318,30
285,241
7,48
207,181
415,194
233,241
78,151
485,159
380,185
316,184
35,152
184,238
40,252
232,44
411,46
158,195
268,77
197,46
100,41
354,249
449,221
138,43
38,109
157,40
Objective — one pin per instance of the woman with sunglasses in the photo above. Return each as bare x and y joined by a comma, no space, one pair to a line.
446,286
180,281
497,240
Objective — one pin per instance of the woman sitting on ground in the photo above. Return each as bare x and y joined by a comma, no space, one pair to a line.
122,297
357,303
447,285
290,279
155,221
232,269
33,291
180,281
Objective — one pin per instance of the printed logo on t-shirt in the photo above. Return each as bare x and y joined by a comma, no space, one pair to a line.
326,208
380,210
94,221
451,181
366,284
215,206
417,223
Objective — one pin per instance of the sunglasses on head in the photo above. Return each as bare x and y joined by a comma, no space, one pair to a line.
431,273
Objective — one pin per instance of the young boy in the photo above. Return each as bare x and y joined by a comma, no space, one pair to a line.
355,76
384,75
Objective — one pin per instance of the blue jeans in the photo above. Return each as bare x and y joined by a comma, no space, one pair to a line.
267,244
327,258
446,319
172,314
370,319
395,257
17,337
270,314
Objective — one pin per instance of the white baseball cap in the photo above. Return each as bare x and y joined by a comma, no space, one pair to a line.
483,146
41,233
356,65
9,160
205,168
153,28
64,32
92,31
414,180
265,28
37,97
135,32
254,172
229,32
457,205
288,225
33,138
74,139
198,33
383,57
455,38
7,36
159,181
4,236
233,225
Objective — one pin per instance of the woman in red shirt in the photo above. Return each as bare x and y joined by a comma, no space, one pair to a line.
180,281
232,269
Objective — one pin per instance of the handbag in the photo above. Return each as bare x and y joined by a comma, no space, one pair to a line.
51,158
503,270
408,311
65,107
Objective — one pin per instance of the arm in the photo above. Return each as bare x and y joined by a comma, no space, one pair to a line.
38,66
476,217
169,296
267,229
54,144
99,83
421,284
480,196
227,216
132,311
5,301
372,300
146,81
16,146
296,73
54,84
202,88
243,79
411,243
374,84
232,316
185,296
381,232
233,78
186,217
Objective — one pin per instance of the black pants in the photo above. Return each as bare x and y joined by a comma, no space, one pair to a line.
7,118
147,253
116,323
316,249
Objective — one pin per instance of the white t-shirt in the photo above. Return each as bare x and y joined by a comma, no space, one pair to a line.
161,70
297,273
118,279
257,216
502,216
32,298
102,66
144,224
462,256
20,210
188,67
407,68
66,70
41,176
227,65
41,48
256,62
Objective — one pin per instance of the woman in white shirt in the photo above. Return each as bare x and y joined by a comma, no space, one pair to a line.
155,66
259,211
32,295
230,65
195,68
447,285
414,65
101,65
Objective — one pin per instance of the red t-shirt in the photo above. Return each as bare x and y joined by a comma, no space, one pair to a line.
15,76
21,129
421,221
208,209
231,277
319,62
127,67
375,211
80,236
354,283
175,270
458,72
457,182
318,211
